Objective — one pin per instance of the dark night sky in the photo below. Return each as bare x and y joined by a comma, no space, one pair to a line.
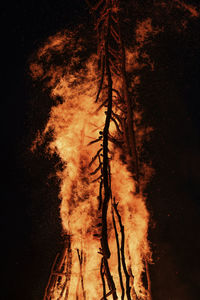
30,233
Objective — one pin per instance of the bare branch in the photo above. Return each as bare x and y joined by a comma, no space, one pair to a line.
95,141
119,143
95,157
100,194
97,179
128,289
97,169
118,256
103,280
102,105
108,294
109,278
118,94
117,126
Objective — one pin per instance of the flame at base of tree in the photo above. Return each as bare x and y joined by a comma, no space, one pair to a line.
103,206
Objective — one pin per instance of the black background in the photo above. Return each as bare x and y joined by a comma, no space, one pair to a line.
30,235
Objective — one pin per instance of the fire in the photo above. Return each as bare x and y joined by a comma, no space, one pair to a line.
103,207
75,123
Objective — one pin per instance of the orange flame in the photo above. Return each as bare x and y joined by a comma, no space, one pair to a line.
74,123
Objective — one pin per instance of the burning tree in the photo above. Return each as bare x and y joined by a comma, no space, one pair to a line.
96,131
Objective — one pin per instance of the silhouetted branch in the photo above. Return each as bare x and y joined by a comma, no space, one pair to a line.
117,117
95,141
118,94
117,126
100,194
97,179
103,280
128,289
95,157
109,278
118,256
97,169
102,105
118,143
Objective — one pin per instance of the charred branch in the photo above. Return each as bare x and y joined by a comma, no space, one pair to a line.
109,278
117,126
95,141
97,169
118,118
119,95
106,72
108,294
118,256
103,279
116,142
97,179
102,105
104,239
128,288
95,157
100,194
